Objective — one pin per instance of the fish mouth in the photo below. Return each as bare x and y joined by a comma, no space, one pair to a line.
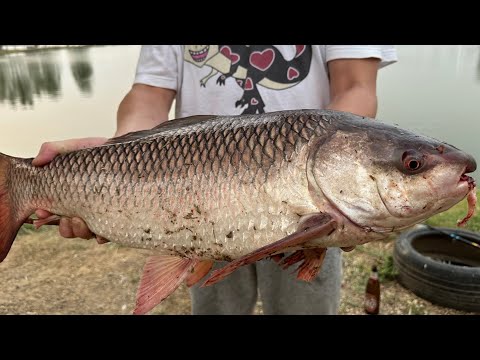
471,193
201,55
466,183
468,180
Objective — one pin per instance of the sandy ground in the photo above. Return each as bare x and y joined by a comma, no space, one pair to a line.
45,274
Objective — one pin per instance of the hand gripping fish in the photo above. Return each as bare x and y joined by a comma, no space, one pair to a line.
283,185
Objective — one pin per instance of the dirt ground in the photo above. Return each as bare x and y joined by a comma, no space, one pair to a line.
46,274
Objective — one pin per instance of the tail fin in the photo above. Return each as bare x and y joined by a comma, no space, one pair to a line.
9,225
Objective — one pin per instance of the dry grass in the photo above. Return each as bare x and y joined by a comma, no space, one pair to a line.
46,274
395,300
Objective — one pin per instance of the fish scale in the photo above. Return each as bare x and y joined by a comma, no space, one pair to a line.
242,189
221,187
147,192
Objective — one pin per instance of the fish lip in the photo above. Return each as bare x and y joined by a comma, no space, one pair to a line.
466,181
464,178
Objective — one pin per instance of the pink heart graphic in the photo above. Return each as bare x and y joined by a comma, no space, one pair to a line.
300,49
254,101
292,73
225,50
248,84
262,60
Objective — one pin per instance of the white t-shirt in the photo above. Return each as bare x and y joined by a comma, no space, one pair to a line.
235,79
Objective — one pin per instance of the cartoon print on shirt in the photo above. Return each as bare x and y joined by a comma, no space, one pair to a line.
251,66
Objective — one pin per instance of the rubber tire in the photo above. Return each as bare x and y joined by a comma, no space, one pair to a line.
453,286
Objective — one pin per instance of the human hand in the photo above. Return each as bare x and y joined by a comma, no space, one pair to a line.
49,150
68,227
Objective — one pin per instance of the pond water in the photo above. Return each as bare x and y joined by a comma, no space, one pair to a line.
75,92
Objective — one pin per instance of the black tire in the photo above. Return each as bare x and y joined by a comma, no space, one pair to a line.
438,268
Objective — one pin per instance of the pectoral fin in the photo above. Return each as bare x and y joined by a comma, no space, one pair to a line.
162,275
313,227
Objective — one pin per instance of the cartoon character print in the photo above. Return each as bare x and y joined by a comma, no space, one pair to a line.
251,66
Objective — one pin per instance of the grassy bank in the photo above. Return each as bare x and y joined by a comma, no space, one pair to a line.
449,218
395,298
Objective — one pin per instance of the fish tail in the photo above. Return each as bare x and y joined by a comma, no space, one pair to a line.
9,223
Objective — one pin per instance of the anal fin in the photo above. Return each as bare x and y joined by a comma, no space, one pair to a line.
312,264
297,256
277,258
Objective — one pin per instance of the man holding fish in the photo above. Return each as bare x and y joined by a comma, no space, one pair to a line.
246,79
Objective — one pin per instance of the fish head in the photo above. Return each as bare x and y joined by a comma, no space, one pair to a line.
384,178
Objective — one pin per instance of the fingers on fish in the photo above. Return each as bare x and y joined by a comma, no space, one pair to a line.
50,220
101,240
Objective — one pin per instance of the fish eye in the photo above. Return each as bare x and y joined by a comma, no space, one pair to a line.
412,161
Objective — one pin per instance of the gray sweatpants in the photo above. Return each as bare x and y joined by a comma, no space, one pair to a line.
281,293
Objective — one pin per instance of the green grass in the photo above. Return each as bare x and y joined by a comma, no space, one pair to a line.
415,309
30,229
387,270
449,218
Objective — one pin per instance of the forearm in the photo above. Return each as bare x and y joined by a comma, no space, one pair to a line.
144,107
357,100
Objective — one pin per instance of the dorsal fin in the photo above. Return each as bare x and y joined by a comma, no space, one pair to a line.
166,125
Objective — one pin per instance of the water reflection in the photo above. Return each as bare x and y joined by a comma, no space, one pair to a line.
82,70
433,90
21,78
25,77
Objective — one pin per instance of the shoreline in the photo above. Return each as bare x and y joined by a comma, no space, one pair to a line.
15,49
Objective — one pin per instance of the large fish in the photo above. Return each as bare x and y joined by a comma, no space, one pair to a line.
241,189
